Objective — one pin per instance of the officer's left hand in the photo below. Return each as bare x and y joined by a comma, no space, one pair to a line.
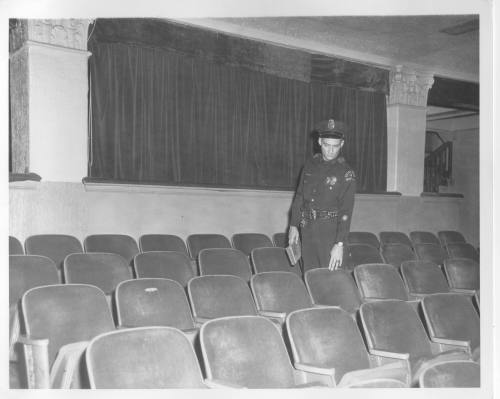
336,255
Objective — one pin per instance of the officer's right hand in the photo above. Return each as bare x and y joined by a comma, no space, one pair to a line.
293,235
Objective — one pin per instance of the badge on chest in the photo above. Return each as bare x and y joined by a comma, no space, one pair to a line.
330,181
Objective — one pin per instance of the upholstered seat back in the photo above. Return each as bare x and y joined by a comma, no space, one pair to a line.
65,314
333,288
380,281
152,302
247,351
279,292
148,357
164,264
329,338
220,296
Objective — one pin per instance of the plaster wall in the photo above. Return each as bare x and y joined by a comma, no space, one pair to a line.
80,210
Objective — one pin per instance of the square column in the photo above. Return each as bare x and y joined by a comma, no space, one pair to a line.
49,99
406,124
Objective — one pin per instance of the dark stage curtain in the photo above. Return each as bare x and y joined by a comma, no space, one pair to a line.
163,117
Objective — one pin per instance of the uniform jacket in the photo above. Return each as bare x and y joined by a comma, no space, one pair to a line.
326,186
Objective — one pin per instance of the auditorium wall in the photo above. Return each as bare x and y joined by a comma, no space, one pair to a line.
78,209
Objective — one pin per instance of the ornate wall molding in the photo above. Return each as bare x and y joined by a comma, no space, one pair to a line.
409,87
70,33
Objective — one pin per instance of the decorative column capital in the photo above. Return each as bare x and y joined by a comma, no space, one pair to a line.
409,87
68,33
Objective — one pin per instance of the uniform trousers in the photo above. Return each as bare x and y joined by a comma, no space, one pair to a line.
318,237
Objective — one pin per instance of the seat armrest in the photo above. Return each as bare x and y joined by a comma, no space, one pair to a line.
213,383
281,316
65,369
421,364
453,342
309,368
31,341
465,291
191,334
36,354
199,321
189,331
390,371
393,355
305,373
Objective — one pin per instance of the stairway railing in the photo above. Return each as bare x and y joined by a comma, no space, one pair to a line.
438,167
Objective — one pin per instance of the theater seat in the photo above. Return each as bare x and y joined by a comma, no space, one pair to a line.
452,320
395,254
248,352
220,296
119,244
197,242
393,330
141,358
358,254
53,246
423,278
453,374
246,242
272,260
279,293
378,281
328,341
164,264
462,250
450,236
333,288
431,252
15,246
59,322
462,275
424,237
26,272
100,269
224,261
153,302
162,242
363,237
280,240
394,237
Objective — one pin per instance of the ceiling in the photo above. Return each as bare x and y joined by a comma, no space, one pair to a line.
416,41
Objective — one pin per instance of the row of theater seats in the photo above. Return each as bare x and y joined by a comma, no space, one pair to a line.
145,302
396,247
326,346
88,266
411,280
364,247
57,246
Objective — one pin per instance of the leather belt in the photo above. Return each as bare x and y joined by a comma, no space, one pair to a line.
313,214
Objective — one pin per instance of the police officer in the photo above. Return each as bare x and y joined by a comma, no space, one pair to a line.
323,203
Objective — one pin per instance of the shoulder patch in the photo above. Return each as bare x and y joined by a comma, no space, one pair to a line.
350,175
